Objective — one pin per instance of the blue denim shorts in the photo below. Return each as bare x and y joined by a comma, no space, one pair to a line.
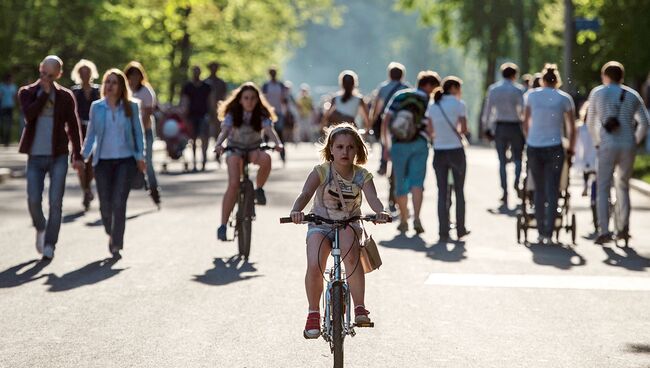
328,230
409,165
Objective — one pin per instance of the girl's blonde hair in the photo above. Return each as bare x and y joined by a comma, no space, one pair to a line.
84,63
333,131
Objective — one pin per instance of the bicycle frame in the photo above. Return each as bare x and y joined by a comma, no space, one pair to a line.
336,275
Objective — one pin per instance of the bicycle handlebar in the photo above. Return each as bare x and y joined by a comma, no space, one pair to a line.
315,219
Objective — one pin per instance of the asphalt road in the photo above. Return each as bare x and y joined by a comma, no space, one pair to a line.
178,298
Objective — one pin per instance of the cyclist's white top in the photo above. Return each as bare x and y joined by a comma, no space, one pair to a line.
244,135
327,202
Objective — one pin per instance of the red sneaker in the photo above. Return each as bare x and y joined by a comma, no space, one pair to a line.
361,314
312,327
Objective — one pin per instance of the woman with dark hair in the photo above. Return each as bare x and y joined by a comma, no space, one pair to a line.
448,115
139,84
347,103
115,141
547,110
85,92
244,115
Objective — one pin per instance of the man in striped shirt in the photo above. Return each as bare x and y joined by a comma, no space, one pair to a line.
616,144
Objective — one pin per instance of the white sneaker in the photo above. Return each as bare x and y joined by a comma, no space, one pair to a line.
40,241
48,252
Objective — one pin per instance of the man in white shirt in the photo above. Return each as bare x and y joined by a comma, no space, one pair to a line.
614,111
502,115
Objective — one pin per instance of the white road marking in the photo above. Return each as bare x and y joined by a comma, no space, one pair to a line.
541,281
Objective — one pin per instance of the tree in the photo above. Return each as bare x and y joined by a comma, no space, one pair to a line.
167,36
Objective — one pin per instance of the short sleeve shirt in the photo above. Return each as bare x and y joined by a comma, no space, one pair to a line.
146,95
7,93
245,135
547,107
198,96
327,202
445,138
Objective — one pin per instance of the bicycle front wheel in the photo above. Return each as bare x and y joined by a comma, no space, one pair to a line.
245,218
337,324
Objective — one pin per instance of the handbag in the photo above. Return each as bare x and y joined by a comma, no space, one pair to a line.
139,181
370,258
369,253
463,140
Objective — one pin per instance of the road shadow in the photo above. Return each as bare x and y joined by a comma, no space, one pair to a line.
89,274
504,210
98,222
401,241
227,271
559,255
448,251
72,217
638,348
13,276
629,259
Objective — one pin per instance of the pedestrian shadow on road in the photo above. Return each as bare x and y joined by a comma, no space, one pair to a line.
72,217
12,276
638,348
448,251
89,274
98,222
560,255
627,258
401,241
504,210
226,271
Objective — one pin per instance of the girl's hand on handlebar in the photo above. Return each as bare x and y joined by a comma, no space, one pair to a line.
297,217
382,217
279,147
219,149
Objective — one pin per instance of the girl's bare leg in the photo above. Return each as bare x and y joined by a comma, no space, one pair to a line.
315,263
230,197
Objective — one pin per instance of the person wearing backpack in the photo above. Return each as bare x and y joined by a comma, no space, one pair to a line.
448,115
405,135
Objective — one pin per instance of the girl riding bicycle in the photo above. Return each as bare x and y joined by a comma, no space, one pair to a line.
338,184
244,115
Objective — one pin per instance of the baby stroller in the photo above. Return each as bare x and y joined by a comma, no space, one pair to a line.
175,134
565,218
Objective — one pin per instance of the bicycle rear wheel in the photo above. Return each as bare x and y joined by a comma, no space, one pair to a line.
245,214
337,324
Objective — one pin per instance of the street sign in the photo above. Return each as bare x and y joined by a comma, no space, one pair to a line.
584,24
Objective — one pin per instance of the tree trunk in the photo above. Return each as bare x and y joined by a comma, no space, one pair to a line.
522,23
179,70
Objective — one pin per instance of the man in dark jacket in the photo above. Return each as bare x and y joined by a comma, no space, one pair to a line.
51,123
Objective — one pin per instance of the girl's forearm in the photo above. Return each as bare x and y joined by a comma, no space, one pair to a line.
300,202
222,136
376,205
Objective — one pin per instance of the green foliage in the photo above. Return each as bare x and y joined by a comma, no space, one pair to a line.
641,168
167,36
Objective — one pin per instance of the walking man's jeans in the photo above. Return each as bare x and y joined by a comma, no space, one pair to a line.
509,134
621,160
6,121
113,179
151,173
546,165
37,168
443,161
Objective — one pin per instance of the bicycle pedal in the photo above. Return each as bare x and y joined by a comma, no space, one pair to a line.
366,325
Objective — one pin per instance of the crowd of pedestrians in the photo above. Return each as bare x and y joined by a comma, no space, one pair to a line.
111,129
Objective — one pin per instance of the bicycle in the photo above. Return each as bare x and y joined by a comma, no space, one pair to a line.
242,220
336,295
